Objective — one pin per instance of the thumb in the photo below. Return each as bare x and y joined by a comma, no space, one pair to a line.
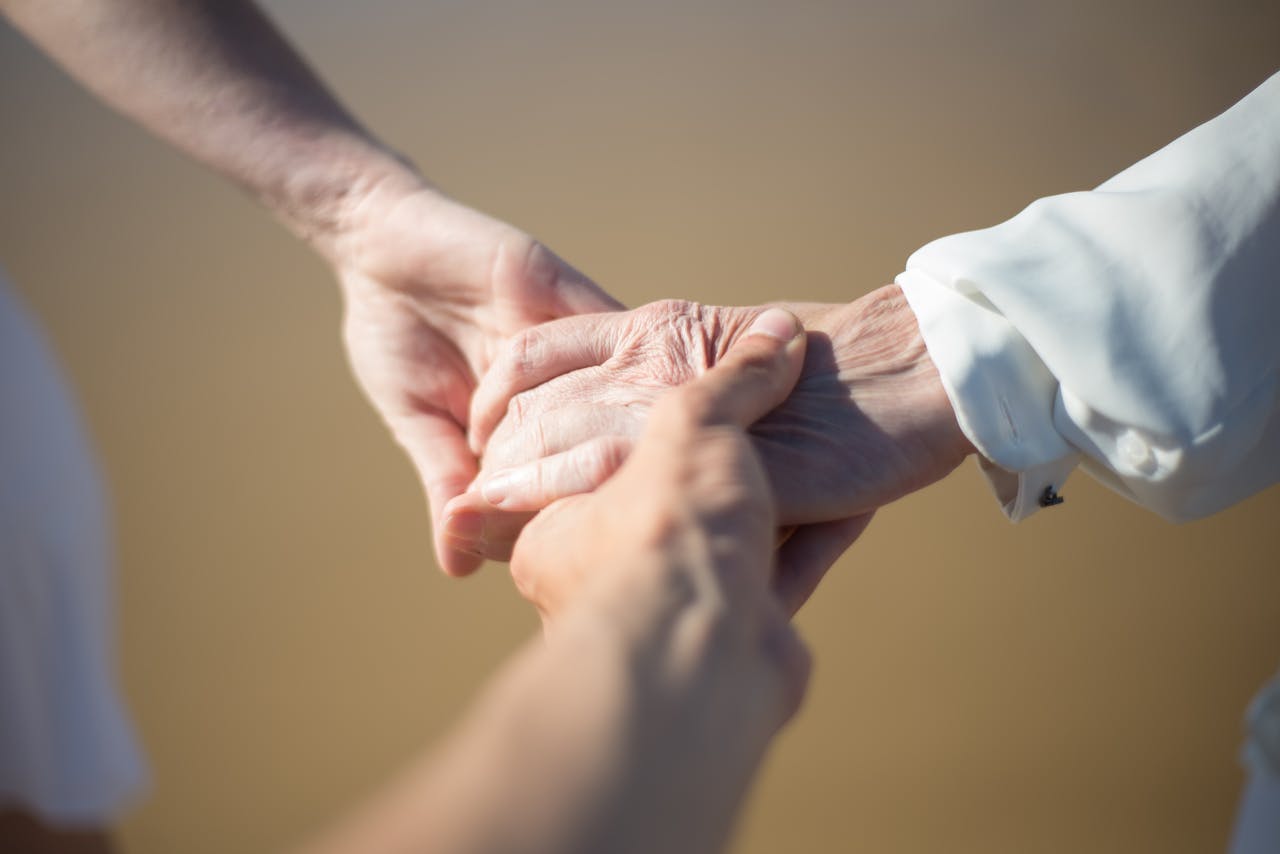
755,376
569,291
537,285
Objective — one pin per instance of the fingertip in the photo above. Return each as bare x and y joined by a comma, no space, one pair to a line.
775,338
461,524
776,323
457,564
757,373
458,536
497,488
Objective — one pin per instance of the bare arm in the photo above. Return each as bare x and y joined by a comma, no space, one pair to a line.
216,79
669,663
597,740
432,287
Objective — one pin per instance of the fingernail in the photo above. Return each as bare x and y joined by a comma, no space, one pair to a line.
464,527
775,323
496,489
468,547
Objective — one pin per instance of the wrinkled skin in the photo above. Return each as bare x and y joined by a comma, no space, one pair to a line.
867,422
432,291
687,519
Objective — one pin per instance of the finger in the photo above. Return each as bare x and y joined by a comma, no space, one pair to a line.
474,527
755,376
558,430
438,450
532,357
806,556
534,485
548,282
573,292
487,519
542,568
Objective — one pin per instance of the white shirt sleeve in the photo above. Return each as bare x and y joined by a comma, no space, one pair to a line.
1257,829
68,753
1133,329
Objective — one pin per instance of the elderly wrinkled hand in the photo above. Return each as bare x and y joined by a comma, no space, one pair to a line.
690,514
561,406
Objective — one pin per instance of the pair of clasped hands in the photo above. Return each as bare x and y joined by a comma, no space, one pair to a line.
517,386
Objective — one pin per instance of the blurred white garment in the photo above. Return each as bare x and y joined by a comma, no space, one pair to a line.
67,752
1135,330
1258,821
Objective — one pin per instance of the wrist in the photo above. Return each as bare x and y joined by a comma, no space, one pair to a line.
325,199
884,364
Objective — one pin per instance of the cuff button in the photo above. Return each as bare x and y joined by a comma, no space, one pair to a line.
1135,451
1050,498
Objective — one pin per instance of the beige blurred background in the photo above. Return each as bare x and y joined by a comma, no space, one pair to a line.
1075,683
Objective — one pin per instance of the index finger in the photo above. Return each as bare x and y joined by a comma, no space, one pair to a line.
532,357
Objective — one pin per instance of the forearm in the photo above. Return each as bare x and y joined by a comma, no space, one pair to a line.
875,352
630,729
218,81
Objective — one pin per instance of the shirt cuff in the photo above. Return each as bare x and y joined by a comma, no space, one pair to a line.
1001,391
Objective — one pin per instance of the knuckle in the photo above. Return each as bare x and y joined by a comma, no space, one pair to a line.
540,263
517,409
591,464
659,524
725,475
614,452
538,437
526,352
674,308
519,259
735,499
601,458
542,481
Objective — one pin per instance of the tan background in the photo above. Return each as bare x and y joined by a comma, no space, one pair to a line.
1071,684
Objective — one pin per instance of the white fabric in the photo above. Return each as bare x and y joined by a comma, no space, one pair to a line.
1257,829
1258,822
1134,328
66,749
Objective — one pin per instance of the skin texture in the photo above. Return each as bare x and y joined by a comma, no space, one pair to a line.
432,290
431,287
680,656
661,627
867,423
